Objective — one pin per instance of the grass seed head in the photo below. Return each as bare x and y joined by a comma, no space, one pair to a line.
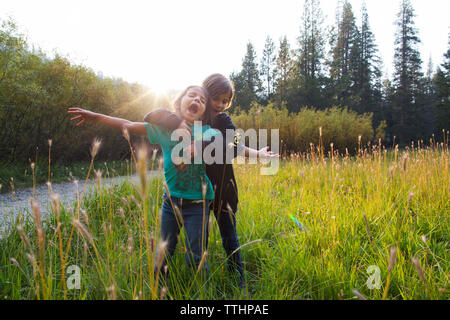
410,197
15,262
36,212
202,261
33,262
424,239
54,199
49,186
359,294
85,216
112,293
163,293
203,189
82,229
95,147
419,269
161,254
24,237
392,256
142,166
126,135
130,244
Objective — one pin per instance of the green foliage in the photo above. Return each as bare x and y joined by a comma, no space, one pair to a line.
268,67
407,107
340,126
247,83
442,86
36,91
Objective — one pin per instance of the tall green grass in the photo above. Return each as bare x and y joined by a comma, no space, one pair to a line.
384,209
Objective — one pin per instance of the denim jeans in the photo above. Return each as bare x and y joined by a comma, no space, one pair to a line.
230,241
195,220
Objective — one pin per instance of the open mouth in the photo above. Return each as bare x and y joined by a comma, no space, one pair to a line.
193,108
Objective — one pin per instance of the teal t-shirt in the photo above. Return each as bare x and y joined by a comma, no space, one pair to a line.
186,183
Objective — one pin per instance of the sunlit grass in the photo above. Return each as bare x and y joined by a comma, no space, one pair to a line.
384,209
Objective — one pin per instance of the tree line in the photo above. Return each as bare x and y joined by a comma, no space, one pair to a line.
36,91
304,88
413,105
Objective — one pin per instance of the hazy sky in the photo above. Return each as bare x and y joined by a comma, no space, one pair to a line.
172,43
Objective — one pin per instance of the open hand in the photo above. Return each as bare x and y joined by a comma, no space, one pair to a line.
264,153
83,115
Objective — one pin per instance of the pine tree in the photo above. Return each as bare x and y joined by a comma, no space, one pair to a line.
250,69
442,89
247,82
310,55
268,66
407,77
345,52
367,75
283,71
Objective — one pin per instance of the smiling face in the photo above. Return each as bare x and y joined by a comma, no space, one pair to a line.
220,103
192,104
221,92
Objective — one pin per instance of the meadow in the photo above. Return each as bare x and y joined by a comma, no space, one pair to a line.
326,226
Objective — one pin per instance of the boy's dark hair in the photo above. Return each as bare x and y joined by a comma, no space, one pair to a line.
207,118
217,84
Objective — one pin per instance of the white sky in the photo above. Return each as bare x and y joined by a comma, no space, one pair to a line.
173,43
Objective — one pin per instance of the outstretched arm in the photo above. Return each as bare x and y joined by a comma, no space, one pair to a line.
112,122
227,124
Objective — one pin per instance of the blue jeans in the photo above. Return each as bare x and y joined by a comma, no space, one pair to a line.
230,241
195,220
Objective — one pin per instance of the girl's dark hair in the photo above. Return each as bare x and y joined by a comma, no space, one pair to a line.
216,84
207,118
